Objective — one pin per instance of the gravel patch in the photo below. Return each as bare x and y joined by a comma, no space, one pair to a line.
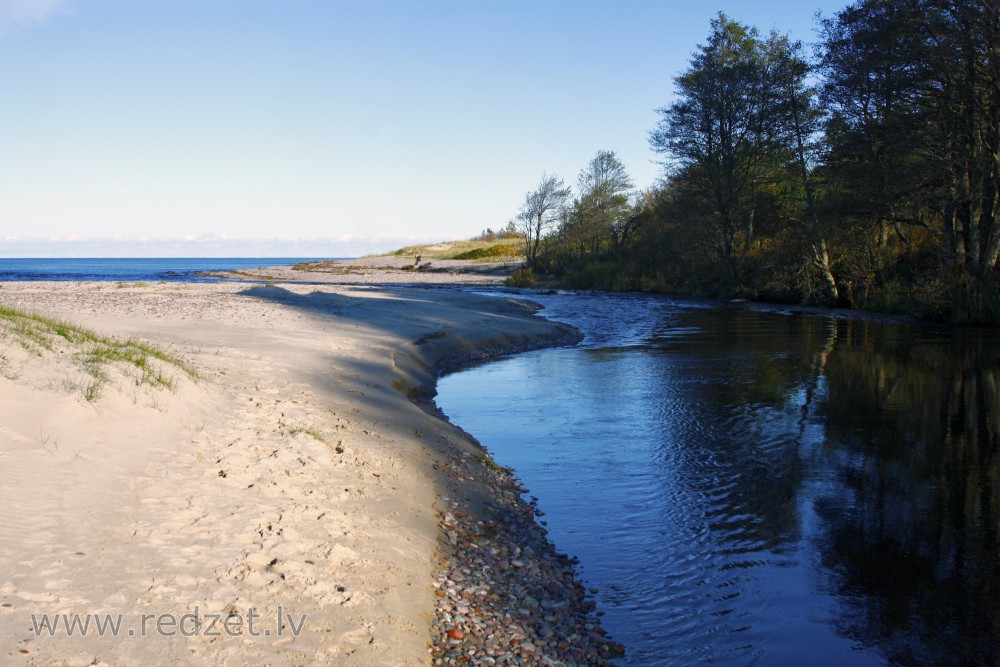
505,595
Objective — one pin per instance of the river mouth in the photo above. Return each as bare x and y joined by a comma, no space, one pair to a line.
750,486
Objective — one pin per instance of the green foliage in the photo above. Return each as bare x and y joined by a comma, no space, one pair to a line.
309,431
731,131
488,461
607,274
879,188
975,300
524,277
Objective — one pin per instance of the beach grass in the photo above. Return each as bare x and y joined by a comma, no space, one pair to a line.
474,249
146,364
497,251
309,431
488,461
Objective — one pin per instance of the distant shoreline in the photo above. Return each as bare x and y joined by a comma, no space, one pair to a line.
129,269
388,269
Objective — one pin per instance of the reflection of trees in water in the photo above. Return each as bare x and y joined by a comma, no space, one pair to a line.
911,533
908,426
755,373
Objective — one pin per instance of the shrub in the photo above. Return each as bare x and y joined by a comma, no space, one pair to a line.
521,278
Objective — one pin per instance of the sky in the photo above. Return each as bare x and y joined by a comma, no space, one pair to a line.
324,128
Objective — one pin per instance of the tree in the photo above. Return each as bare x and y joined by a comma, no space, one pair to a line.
729,130
873,87
964,105
600,216
914,90
541,209
804,118
605,188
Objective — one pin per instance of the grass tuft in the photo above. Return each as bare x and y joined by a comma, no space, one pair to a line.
311,432
488,461
146,364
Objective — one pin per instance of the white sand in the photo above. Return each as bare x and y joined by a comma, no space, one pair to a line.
295,474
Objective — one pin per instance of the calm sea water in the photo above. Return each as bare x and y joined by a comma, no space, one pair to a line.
749,487
117,269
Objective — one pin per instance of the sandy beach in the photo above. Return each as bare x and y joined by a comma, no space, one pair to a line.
383,270
295,490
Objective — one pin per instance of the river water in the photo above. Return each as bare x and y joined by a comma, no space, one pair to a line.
752,486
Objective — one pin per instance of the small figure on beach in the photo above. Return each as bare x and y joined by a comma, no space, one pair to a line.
416,262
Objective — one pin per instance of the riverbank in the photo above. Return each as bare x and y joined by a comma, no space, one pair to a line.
296,493
393,270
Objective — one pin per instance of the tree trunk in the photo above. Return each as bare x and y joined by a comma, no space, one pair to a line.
988,221
821,259
970,236
883,233
952,241
748,241
989,212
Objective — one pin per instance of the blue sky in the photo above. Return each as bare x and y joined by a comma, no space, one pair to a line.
323,128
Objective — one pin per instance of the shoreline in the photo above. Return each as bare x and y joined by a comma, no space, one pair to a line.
392,270
310,472
379,270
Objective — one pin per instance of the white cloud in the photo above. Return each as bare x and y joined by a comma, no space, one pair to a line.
21,12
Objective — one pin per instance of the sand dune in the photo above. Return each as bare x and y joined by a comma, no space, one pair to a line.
296,474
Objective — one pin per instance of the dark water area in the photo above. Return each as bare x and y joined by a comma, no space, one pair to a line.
754,487
131,268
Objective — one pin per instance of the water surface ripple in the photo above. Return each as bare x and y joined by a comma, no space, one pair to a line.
752,487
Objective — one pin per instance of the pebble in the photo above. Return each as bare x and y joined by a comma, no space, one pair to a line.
505,596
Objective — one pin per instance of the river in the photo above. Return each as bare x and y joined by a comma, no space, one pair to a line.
757,486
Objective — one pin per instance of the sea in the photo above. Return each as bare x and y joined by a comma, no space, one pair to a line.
182,269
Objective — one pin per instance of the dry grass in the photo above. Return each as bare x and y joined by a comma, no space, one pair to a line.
482,250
